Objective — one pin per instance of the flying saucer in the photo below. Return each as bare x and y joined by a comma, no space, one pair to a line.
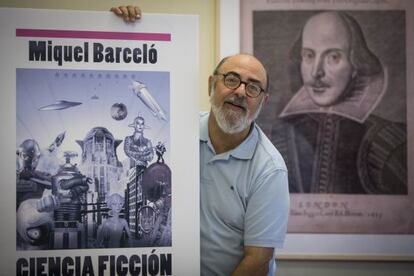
59,105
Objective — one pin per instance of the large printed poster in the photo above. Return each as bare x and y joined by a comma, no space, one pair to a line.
96,159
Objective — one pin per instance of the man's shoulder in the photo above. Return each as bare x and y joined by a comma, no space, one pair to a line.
267,152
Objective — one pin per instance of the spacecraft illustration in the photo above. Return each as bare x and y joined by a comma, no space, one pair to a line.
145,96
59,105
57,142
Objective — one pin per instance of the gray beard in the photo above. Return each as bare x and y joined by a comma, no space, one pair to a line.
239,123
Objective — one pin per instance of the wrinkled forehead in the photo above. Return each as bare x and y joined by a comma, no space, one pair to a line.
326,31
248,67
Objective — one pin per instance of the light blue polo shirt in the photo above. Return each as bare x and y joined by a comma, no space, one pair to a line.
244,200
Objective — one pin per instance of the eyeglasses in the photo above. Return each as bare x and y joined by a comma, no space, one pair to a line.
233,81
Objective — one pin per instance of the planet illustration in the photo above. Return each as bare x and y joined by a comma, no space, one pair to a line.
119,111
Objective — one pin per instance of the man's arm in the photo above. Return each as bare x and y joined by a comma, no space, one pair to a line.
265,222
255,261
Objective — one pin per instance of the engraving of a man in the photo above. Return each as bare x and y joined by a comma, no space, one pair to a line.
331,141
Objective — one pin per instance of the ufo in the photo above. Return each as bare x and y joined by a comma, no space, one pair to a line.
59,105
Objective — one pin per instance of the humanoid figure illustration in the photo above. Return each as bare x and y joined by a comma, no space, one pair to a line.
112,232
159,151
34,168
30,183
136,146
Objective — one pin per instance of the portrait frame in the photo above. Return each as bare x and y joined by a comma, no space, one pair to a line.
328,246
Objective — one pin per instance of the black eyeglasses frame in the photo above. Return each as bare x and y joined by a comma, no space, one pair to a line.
246,84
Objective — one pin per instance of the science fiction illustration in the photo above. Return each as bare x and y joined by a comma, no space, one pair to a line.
119,111
59,105
145,96
86,177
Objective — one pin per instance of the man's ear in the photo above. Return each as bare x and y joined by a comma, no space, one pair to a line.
210,84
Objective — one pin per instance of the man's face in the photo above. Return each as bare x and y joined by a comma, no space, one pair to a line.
326,68
139,125
233,109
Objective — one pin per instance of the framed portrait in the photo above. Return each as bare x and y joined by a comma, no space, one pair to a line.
339,112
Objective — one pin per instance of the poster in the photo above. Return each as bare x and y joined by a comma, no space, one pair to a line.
334,200
100,180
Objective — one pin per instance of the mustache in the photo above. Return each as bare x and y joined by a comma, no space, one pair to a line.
233,99
318,84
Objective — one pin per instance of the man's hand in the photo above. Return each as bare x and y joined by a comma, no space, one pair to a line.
128,13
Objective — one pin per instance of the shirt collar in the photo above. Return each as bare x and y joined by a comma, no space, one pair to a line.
243,151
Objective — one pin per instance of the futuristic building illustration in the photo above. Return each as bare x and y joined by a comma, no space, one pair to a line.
134,199
99,160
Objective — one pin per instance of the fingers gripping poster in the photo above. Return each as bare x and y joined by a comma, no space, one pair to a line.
90,179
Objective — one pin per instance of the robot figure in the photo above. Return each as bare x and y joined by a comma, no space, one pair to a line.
68,189
160,150
136,146
30,183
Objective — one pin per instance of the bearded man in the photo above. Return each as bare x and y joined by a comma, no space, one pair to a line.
243,178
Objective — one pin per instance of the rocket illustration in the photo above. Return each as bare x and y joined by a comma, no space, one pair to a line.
144,95
57,142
